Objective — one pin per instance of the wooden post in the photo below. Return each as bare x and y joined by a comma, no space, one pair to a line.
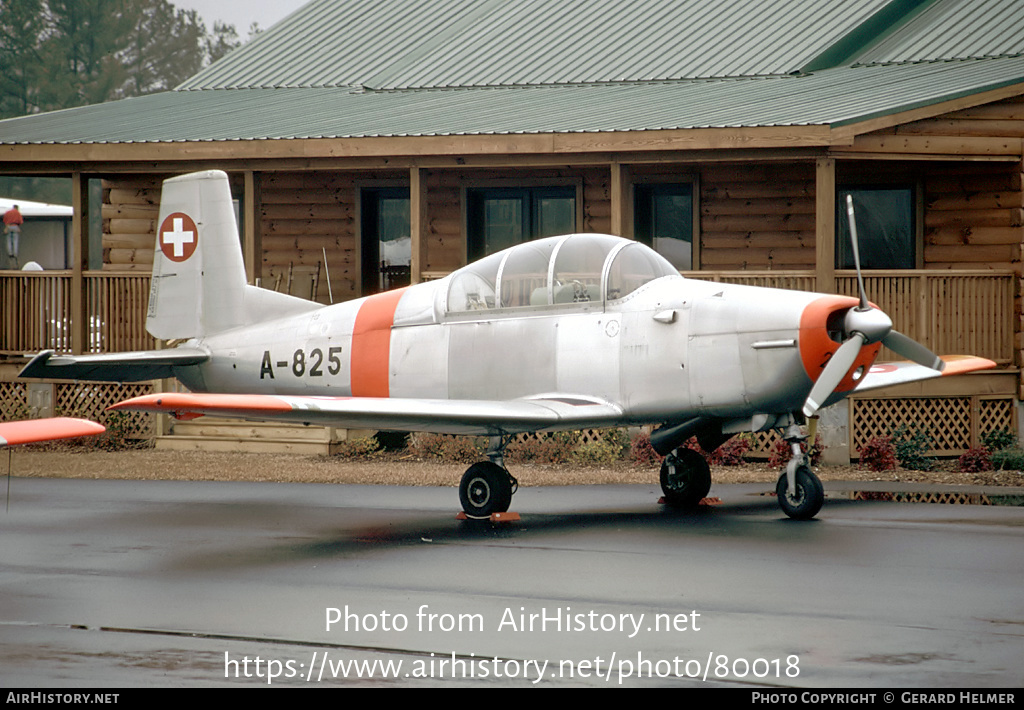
621,201
922,329
418,221
79,316
252,249
825,225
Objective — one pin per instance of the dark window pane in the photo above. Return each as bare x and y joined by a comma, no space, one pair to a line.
885,228
499,218
386,239
554,213
503,223
663,219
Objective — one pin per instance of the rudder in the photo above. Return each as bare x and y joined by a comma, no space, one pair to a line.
198,285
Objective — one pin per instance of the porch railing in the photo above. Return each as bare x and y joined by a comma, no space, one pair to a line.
38,310
952,312
949,311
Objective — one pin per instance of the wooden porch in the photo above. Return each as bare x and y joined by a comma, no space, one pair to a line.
952,312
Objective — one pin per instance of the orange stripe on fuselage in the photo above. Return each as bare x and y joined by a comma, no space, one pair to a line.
371,344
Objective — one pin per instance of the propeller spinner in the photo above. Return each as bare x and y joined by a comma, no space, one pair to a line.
863,325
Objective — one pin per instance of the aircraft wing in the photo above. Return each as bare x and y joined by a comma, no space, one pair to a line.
113,367
456,416
35,430
887,374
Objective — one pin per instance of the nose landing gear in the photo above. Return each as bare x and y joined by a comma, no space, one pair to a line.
799,491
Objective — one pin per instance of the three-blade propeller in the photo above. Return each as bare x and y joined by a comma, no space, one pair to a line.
863,325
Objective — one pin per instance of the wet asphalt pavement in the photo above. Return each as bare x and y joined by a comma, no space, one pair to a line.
122,583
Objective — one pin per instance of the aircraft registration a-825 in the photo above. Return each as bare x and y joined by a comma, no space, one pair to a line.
571,332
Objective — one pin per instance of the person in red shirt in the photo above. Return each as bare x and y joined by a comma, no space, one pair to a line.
12,230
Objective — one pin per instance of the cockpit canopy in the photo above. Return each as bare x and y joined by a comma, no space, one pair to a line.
576,268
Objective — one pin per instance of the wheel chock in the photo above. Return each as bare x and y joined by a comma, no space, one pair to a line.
507,517
703,501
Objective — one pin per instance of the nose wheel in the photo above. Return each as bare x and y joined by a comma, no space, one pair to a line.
685,478
799,491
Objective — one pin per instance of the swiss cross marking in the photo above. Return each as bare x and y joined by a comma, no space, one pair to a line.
178,236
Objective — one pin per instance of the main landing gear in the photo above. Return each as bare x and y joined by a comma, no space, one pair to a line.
487,486
685,478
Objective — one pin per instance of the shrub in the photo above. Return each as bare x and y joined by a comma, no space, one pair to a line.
878,454
366,447
457,449
912,446
118,436
999,439
731,452
1008,459
781,453
606,449
556,447
642,453
975,460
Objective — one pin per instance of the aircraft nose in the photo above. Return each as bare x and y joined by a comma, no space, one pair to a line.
822,331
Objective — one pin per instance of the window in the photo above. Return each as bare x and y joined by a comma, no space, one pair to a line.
499,218
386,239
886,230
663,219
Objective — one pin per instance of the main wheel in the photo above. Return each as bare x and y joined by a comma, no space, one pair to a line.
685,478
485,488
807,500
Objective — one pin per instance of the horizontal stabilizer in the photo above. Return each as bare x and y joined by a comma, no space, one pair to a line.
473,417
36,430
112,367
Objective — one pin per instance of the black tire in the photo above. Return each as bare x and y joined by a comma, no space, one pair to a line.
485,488
810,495
685,478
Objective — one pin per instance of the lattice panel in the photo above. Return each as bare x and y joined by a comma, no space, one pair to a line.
946,498
90,401
994,414
587,436
764,443
946,419
13,401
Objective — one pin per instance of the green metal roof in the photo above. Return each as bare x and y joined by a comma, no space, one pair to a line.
463,67
389,44
954,29
830,97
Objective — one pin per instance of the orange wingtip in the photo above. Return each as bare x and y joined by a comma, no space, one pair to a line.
187,404
960,364
36,430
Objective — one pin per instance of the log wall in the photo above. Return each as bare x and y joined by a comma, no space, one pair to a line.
131,207
301,215
757,217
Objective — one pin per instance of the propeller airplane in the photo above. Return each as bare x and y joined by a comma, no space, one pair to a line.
571,332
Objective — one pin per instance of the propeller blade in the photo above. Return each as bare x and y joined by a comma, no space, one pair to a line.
855,243
912,350
833,373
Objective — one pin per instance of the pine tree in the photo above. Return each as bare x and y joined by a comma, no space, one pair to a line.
21,26
64,53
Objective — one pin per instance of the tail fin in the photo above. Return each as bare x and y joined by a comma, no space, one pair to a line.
198,285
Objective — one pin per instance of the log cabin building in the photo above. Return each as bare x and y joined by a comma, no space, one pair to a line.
373,144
